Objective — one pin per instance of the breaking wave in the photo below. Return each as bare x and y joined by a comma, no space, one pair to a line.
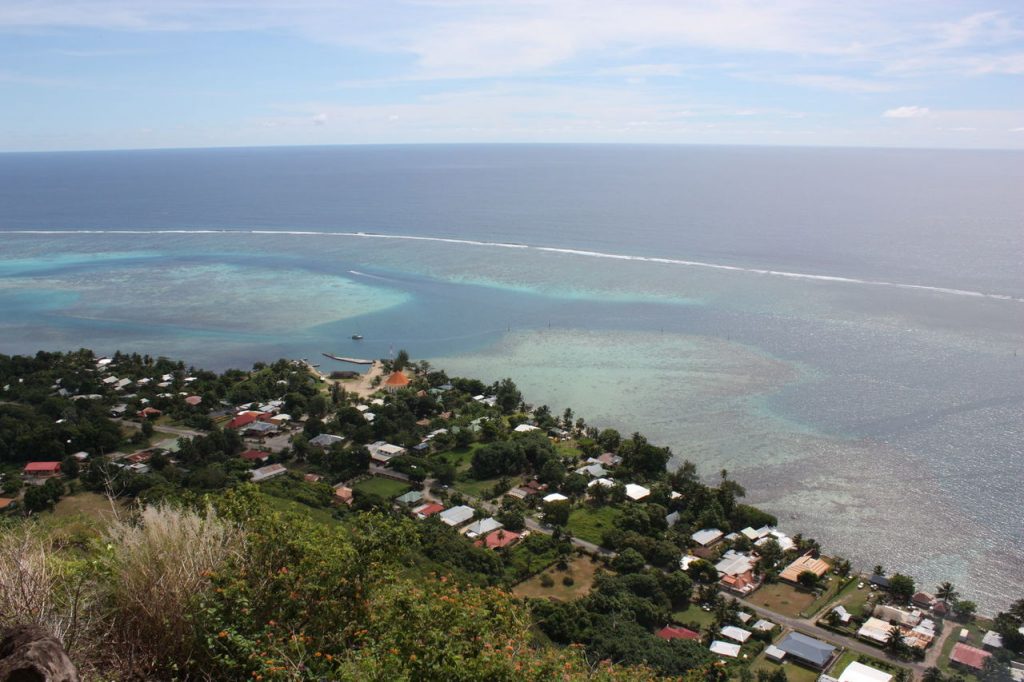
551,249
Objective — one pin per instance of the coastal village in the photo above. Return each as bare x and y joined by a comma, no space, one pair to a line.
558,510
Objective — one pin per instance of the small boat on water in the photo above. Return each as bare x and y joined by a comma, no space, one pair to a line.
357,337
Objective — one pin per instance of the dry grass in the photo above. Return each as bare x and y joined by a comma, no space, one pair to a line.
581,569
158,563
37,589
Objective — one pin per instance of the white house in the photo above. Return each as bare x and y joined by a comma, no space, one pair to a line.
456,516
636,492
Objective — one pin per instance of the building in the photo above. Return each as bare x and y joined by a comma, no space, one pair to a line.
707,537
326,440
992,640
382,452
456,516
808,650
891,613
670,632
268,472
396,382
636,492
858,672
875,630
37,473
736,572
242,419
818,567
259,429
482,527
410,498
498,538
736,634
427,510
255,456
525,428
725,649
774,653
343,495
967,656
5,502
556,497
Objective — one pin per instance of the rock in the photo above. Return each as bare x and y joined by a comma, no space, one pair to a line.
29,653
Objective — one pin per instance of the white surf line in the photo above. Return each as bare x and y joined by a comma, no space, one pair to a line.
548,249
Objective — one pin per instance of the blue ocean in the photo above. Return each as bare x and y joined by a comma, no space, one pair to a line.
843,330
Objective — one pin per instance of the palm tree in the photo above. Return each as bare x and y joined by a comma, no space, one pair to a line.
932,674
879,570
947,593
894,641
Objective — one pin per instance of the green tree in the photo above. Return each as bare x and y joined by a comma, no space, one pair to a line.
932,674
556,513
808,579
965,609
901,587
628,561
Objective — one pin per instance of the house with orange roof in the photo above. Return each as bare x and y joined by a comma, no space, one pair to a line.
396,381
818,567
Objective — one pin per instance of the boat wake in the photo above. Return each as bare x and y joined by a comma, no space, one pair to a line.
547,249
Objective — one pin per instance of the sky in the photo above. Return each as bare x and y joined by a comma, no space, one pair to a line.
117,74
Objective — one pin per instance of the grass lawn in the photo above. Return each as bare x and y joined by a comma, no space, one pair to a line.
856,600
460,458
590,523
694,617
794,672
849,657
954,636
567,448
316,514
829,595
92,505
581,569
474,488
382,487
783,598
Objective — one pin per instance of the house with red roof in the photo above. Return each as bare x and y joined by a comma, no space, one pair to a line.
255,456
427,510
242,419
5,502
498,538
968,656
670,632
148,413
37,472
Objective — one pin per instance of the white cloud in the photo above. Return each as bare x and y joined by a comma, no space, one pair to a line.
644,70
907,112
319,119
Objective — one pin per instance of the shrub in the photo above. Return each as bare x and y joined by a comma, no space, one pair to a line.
546,580
567,580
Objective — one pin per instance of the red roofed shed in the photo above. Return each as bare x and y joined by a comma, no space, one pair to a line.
668,633
969,656
42,469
